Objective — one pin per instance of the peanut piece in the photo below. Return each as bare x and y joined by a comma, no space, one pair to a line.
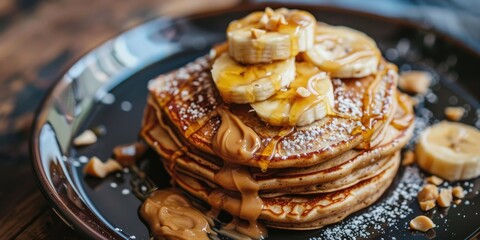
257,33
415,81
413,100
87,137
96,168
457,201
428,192
303,92
269,11
434,180
422,223
408,158
458,192
454,113
427,205
444,199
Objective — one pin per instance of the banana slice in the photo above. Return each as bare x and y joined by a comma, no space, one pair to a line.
344,52
239,83
450,150
263,37
309,98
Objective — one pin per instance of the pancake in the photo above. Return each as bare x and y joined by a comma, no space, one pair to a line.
187,98
157,135
303,212
293,176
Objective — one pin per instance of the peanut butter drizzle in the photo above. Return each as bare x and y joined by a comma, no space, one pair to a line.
238,178
171,215
234,142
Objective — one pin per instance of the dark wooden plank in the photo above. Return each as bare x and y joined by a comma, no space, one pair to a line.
48,226
16,184
20,217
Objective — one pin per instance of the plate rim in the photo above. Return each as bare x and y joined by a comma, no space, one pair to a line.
49,193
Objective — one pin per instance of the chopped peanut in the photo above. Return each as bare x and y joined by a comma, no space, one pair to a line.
415,81
128,154
275,21
457,201
427,205
408,158
458,192
421,223
85,138
413,100
434,180
257,33
269,12
454,113
444,199
303,92
428,192
95,167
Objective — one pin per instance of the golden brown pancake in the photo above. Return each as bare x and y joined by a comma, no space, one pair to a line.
297,179
302,212
187,99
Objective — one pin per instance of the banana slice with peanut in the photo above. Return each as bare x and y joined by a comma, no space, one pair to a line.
309,98
450,150
263,37
344,52
238,83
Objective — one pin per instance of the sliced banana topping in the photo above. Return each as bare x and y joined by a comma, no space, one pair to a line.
450,150
263,37
238,83
309,98
344,52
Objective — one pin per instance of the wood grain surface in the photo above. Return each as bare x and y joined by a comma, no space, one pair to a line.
38,40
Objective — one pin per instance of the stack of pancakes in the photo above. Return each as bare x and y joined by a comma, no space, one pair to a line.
303,177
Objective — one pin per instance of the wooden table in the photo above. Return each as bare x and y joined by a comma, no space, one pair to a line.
38,41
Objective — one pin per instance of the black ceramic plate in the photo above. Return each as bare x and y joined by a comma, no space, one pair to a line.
107,89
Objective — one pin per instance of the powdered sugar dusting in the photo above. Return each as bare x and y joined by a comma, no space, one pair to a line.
326,135
387,213
348,101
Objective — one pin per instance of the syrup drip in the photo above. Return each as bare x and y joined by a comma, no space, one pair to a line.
269,151
404,122
368,118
